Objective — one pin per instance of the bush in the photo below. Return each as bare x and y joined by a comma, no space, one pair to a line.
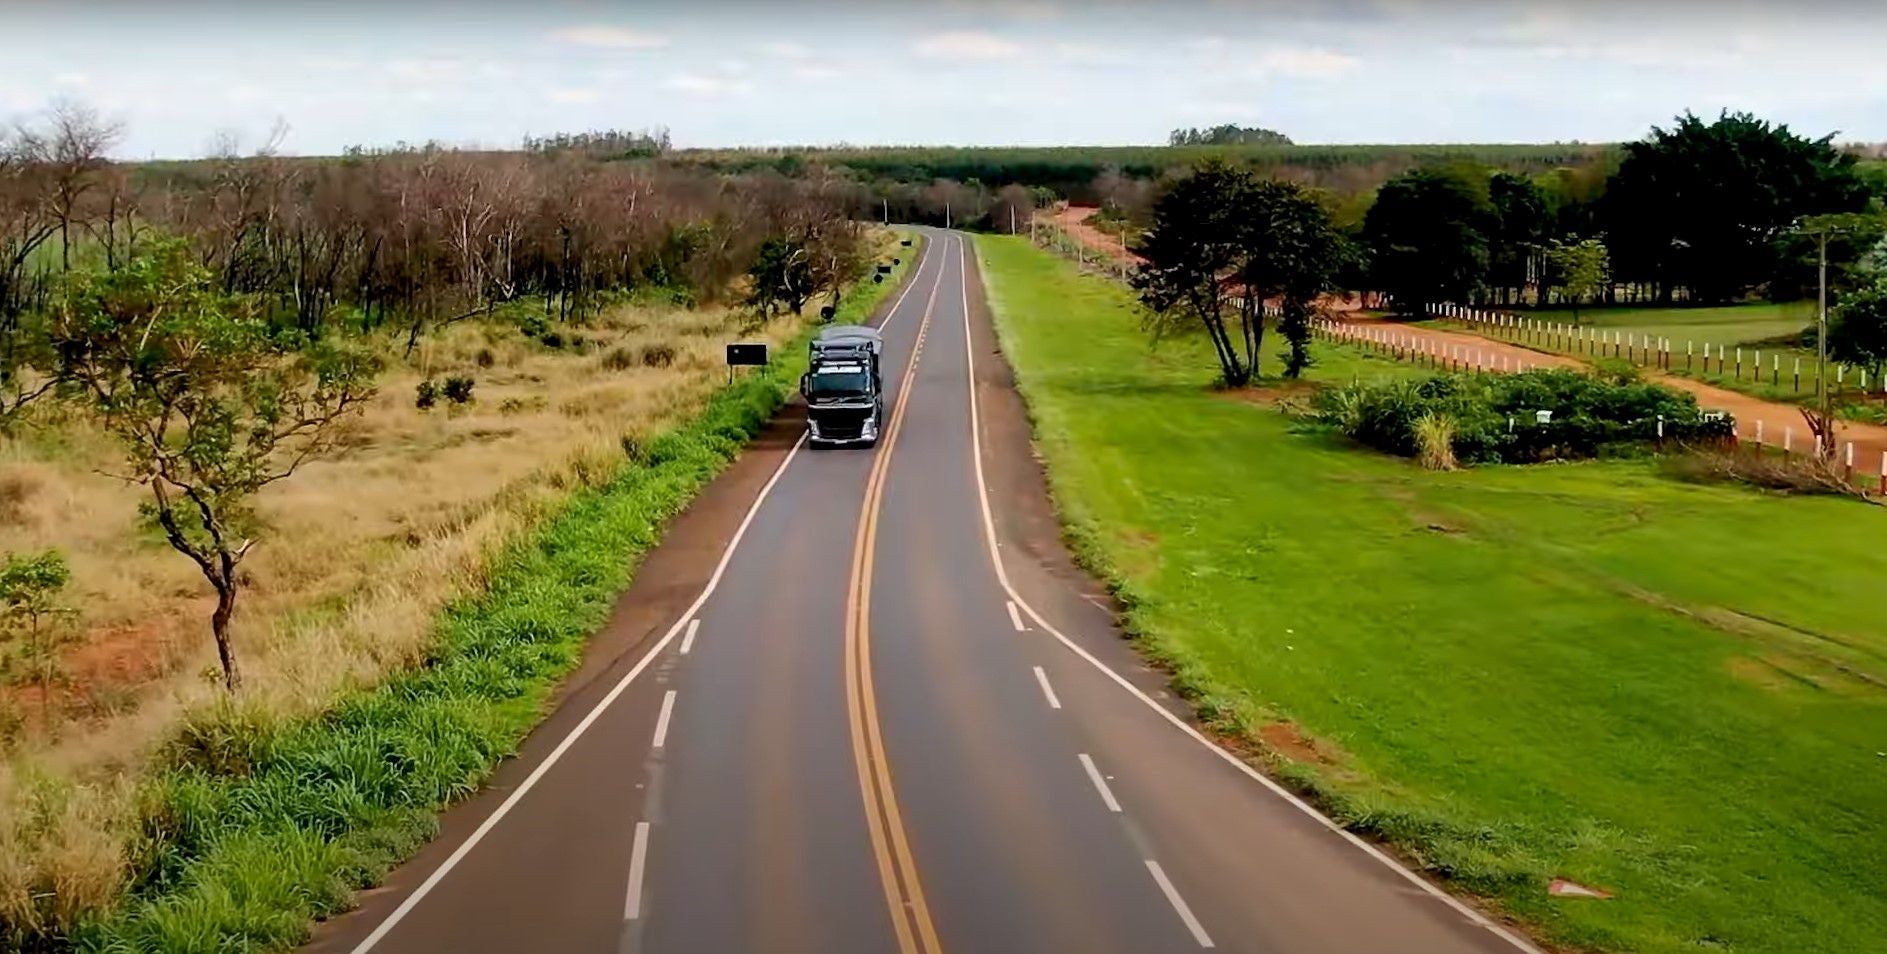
618,359
658,356
458,389
426,395
551,339
485,358
1493,419
1435,441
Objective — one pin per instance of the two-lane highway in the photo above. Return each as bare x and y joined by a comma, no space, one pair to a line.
868,733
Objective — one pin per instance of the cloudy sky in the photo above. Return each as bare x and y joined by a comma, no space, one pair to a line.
718,73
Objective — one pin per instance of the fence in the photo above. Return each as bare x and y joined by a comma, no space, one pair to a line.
1653,351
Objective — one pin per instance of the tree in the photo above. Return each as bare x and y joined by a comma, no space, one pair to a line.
209,402
782,276
1857,328
1579,269
1703,205
1292,253
32,626
1427,235
1522,221
1192,248
1228,134
1013,210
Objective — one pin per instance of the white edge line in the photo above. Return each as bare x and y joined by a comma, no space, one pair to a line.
1016,618
661,721
1002,576
530,781
638,863
1100,784
688,641
1047,690
1179,904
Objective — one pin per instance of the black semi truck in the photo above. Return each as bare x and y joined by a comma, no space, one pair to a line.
843,389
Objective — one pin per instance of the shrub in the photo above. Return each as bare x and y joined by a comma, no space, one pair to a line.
1493,419
551,339
458,389
426,395
532,325
618,359
485,358
1435,438
658,356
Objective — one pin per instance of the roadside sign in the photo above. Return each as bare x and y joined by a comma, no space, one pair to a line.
746,355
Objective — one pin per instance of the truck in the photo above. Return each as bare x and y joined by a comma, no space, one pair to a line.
843,388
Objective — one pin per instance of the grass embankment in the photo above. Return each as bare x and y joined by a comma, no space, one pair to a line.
1773,332
1672,692
252,821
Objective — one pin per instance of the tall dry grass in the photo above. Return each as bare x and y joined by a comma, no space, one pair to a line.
362,552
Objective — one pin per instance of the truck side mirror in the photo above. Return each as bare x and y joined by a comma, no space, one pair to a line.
805,382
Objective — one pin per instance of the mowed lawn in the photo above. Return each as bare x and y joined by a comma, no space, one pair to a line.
1675,693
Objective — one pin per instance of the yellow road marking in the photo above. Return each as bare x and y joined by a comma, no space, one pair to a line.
910,914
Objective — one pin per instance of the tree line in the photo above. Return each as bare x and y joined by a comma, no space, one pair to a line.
218,317
1703,212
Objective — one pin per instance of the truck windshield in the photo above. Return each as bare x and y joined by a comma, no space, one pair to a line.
840,384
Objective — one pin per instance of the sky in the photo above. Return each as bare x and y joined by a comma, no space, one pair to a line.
179,74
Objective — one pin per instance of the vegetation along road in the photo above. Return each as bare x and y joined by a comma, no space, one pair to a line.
883,726
1487,667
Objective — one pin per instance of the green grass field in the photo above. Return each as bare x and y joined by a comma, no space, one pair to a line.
1673,692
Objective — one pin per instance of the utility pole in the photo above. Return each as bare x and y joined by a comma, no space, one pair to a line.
1012,219
887,203
946,214
1821,340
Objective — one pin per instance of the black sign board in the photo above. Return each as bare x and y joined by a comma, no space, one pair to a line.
746,355
884,269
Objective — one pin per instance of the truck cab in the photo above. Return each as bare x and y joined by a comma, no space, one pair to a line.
843,389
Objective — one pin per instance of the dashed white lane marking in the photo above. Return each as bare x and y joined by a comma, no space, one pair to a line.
1047,690
596,712
661,721
638,862
1179,904
1015,617
688,641
1094,775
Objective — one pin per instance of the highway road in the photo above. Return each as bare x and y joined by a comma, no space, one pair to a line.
858,702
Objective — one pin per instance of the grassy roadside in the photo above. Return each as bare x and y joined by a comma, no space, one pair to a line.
1513,674
250,831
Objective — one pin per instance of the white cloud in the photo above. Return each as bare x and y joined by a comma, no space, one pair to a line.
572,95
787,50
1088,54
695,84
967,45
609,37
815,71
80,80
733,67
426,70
246,93
1033,11
1308,63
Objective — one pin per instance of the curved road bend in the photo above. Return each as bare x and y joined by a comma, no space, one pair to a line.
869,736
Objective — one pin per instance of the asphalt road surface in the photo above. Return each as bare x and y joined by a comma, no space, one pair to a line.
883,719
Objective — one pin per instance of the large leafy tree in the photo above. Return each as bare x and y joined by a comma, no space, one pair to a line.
1857,328
1292,254
1427,235
1521,225
1189,256
1703,205
209,401
1580,269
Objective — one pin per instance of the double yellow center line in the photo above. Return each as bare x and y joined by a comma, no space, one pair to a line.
910,914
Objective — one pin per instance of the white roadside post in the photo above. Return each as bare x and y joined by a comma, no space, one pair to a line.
1759,435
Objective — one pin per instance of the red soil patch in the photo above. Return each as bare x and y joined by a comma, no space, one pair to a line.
1286,739
1074,220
